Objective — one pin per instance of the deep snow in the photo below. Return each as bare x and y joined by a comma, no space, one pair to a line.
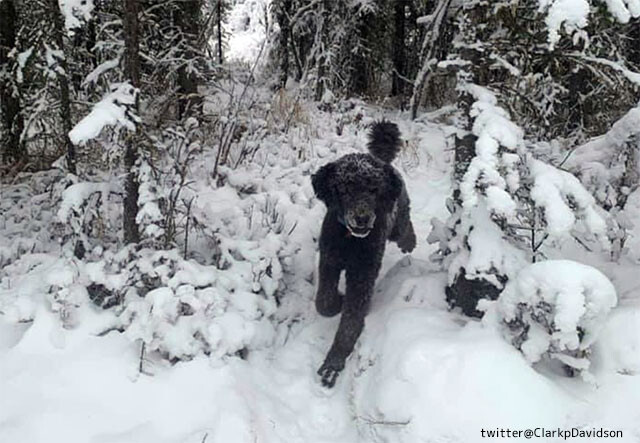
419,373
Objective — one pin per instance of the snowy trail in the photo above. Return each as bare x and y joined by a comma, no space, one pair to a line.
292,405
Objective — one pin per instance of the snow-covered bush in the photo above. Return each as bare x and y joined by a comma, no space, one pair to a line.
556,308
27,216
165,176
510,206
243,236
180,308
88,212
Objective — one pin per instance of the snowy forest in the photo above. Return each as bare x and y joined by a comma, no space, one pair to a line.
161,221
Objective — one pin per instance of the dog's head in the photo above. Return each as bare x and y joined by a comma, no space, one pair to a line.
360,187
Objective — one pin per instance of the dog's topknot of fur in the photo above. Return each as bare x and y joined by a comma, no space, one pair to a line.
384,140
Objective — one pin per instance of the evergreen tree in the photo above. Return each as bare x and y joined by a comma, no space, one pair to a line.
531,80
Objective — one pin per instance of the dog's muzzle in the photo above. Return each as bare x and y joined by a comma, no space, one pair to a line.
358,232
360,225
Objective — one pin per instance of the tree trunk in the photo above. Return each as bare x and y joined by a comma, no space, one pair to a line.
360,84
219,20
398,49
430,52
63,84
12,118
132,67
188,19
322,59
283,14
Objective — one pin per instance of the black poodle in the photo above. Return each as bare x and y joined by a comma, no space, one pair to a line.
367,204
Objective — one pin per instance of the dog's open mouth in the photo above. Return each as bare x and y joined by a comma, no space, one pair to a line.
358,232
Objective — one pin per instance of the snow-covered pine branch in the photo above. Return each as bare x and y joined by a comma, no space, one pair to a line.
564,200
608,167
116,108
492,172
506,176
572,16
605,146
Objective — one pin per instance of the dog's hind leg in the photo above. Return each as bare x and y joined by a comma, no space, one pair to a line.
328,299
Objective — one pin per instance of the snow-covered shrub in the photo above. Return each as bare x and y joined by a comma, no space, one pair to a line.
556,308
510,206
180,308
223,303
37,283
245,240
87,210
27,216
165,176
241,256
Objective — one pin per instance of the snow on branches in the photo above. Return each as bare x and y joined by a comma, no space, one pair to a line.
556,308
513,185
572,16
116,108
76,12
603,148
494,130
510,204
564,200
192,308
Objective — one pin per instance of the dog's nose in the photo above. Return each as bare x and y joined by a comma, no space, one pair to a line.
362,220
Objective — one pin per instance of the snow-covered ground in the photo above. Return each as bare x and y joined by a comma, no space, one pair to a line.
420,373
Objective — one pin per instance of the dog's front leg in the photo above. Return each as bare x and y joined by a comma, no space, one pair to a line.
356,303
328,299
407,242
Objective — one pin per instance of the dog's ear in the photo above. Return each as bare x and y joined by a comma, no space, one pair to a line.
323,184
393,185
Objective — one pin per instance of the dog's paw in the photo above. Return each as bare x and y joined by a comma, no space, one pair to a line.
329,372
408,243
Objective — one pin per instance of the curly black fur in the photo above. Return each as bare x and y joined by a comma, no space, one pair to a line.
367,204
